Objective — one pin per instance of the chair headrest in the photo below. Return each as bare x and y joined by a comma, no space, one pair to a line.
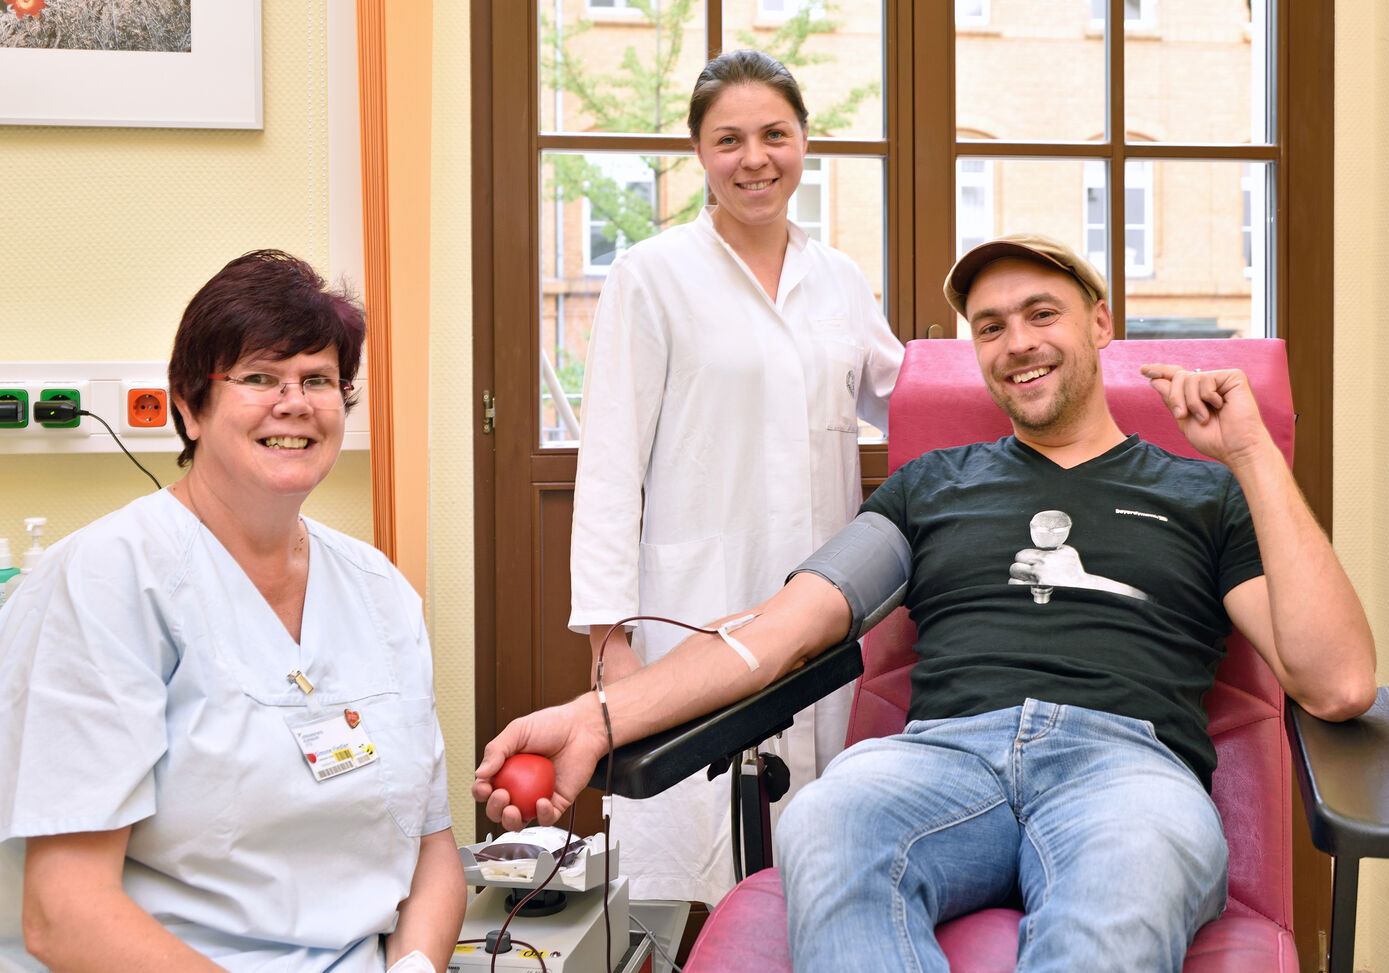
941,400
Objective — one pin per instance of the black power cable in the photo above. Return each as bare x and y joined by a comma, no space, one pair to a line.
122,446
51,412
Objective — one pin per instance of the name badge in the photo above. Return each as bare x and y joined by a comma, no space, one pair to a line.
334,744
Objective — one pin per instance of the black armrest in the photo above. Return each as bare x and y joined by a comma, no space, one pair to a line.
649,766
1343,773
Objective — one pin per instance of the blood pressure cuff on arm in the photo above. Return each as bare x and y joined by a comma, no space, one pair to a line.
870,562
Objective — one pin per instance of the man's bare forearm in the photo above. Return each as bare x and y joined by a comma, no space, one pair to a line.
703,672
1321,637
700,674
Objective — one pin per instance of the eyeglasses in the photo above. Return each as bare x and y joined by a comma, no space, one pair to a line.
321,391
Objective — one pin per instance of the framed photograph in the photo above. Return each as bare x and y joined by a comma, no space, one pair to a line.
152,63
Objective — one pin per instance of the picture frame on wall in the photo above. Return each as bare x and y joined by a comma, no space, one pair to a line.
131,63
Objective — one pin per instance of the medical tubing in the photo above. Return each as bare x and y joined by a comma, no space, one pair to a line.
607,791
519,942
735,819
608,726
559,859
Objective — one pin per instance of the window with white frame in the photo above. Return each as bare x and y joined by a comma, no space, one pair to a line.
1138,216
786,9
613,10
1137,13
974,203
1256,232
971,13
1246,185
601,240
809,207
1095,216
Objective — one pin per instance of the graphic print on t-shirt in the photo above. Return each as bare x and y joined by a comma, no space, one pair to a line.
1052,563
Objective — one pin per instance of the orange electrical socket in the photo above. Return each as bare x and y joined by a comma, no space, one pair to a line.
146,408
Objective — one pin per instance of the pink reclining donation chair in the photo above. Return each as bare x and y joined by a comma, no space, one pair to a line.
941,401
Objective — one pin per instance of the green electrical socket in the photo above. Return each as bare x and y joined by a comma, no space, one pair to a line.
72,395
22,397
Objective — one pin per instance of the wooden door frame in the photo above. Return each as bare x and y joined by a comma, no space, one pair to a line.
1306,200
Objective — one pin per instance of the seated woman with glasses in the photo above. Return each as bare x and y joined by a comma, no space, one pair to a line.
220,739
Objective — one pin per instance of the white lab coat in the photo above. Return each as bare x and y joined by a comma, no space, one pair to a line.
145,684
736,417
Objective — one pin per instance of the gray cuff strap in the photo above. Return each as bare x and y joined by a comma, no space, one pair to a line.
870,562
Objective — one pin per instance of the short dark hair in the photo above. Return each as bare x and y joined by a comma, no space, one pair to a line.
267,302
742,67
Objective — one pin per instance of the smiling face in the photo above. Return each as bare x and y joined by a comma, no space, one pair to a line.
1037,339
268,444
752,149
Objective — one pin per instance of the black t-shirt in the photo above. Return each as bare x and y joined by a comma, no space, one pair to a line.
1161,540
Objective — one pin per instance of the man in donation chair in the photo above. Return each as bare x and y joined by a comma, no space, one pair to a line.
1072,589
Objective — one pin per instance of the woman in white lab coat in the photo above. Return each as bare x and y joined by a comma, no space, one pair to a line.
220,736
729,362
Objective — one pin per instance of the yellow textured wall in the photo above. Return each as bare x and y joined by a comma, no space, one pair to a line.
116,228
1362,354
109,231
451,568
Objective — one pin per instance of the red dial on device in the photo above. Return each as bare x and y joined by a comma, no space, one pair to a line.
526,777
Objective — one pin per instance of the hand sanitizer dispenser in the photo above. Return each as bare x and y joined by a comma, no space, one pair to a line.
7,568
34,526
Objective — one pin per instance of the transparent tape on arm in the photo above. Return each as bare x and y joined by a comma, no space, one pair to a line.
723,632
742,650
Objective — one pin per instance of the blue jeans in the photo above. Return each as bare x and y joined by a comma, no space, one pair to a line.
1114,848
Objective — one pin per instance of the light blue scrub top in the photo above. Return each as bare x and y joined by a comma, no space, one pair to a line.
143,680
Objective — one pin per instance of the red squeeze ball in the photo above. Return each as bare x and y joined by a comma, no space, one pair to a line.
526,777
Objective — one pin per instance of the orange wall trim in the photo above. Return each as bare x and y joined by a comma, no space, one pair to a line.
394,71
371,75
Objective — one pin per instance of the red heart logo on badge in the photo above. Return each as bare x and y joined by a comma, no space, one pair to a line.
352,717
